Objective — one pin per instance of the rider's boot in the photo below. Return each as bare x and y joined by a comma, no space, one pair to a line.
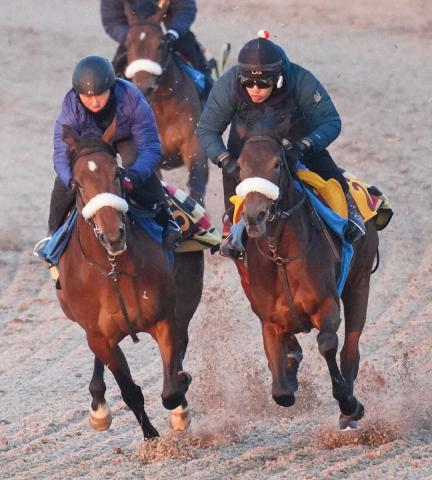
356,227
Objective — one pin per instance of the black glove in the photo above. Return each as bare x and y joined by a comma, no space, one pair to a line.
169,40
130,180
229,165
294,152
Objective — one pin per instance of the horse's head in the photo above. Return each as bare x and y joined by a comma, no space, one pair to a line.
146,49
260,162
99,193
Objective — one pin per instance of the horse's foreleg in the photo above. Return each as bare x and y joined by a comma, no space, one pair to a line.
283,386
294,356
114,359
328,344
100,414
171,341
197,165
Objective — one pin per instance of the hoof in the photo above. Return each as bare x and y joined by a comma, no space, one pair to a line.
345,424
284,400
180,418
101,418
351,422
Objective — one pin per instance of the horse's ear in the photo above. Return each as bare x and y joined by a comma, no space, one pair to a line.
70,138
241,129
163,6
128,11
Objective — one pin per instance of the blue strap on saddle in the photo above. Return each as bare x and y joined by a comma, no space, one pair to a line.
337,224
197,76
58,243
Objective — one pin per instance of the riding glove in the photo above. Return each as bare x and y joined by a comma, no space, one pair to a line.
130,180
170,38
295,151
228,164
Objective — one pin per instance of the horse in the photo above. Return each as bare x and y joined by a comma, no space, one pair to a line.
290,280
115,281
170,91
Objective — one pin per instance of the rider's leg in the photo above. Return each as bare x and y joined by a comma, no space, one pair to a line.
189,47
62,201
152,190
323,164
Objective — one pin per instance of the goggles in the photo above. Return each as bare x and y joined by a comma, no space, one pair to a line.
249,82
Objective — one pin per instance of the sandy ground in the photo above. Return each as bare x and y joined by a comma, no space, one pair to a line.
374,58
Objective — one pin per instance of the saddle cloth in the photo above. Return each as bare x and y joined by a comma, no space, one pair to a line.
198,233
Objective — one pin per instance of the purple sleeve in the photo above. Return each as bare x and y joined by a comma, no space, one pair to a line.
61,159
183,13
146,137
114,20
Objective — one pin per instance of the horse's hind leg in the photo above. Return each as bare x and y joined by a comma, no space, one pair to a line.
172,339
131,393
100,414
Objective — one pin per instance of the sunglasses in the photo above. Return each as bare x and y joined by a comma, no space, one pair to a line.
259,82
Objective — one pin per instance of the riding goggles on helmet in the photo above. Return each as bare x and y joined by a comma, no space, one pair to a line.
249,82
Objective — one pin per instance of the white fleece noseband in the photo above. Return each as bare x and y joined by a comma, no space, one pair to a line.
104,200
143,65
260,185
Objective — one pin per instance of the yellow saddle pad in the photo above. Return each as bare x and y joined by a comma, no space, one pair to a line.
331,192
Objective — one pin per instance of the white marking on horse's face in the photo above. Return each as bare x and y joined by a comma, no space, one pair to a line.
92,166
142,36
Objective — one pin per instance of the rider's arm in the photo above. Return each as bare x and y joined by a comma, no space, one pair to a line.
145,134
62,164
318,110
114,20
182,13
217,115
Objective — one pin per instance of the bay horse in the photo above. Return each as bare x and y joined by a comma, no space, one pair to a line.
292,268
116,281
171,93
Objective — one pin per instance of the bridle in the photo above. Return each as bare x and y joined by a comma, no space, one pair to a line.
113,273
166,58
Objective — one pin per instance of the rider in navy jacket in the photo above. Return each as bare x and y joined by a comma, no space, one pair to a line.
178,20
98,101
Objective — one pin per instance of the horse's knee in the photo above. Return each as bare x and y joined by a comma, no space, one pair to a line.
327,341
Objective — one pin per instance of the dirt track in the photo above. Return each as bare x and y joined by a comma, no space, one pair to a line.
375,61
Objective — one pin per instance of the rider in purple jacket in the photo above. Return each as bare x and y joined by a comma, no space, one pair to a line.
90,106
178,20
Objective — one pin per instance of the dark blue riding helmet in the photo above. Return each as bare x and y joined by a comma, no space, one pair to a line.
93,75
260,58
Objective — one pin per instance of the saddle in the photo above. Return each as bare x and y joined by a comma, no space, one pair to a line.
371,202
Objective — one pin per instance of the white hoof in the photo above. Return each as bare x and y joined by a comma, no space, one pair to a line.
180,418
101,418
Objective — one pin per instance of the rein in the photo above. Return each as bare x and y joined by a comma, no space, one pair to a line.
113,274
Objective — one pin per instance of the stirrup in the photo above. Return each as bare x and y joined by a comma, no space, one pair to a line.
172,235
39,248
354,230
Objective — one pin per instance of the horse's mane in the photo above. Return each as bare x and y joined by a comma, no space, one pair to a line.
143,8
90,142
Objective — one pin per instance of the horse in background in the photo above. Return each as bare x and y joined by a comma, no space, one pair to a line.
116,281
170,91
292,268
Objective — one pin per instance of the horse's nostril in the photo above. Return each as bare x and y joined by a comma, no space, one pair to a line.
261,216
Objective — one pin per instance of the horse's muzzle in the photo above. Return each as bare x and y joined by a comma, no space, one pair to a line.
114,246
256,224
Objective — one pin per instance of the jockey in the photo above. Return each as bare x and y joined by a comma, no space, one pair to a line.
265,78
178,20
97,98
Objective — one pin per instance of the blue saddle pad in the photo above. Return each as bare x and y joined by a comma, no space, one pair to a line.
197,76
336,224
58,243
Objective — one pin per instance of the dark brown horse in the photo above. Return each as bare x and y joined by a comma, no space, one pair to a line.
292,269
171,93
116,281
